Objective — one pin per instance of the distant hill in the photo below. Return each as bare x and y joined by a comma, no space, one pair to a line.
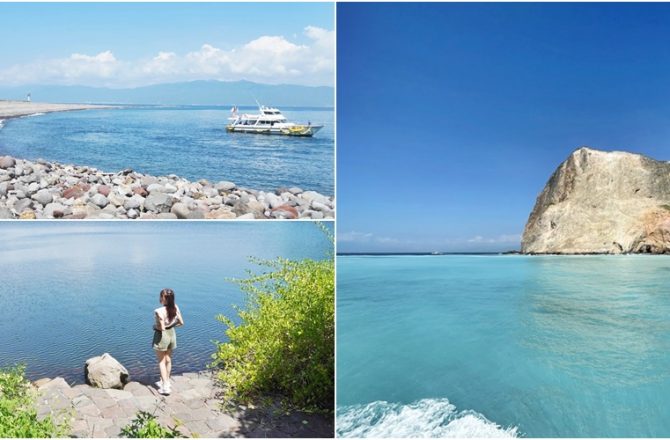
239,93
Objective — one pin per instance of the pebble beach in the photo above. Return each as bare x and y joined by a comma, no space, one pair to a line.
46,190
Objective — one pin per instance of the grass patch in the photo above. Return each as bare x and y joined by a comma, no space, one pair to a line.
18,413
145,425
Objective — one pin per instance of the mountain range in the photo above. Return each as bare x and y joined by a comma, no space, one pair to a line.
201,92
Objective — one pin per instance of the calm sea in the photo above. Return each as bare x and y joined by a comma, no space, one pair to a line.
482,346
71,291
188,141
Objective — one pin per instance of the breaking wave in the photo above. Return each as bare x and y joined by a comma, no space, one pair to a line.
424,418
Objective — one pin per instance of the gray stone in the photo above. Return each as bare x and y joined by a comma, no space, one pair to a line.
180,210
224,186
134,202
43,196
33,187
5,213
156,188
57,382
119,394
55,210
147,403
158,202
39,382
273,200
105,372
311,196
210,192
315,215
100,200
320,206
137,389
22,205
132,213
7,162
196,215
81,401
166,216
253,207
124,190
247,216
4,186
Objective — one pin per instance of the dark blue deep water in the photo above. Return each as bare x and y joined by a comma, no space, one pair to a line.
75,290
190,142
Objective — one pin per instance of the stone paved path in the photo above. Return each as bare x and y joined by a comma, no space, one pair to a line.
95,412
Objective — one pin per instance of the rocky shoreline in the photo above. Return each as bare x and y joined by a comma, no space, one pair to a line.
46,190
194,406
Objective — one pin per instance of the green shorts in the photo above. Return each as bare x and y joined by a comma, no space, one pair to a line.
165,340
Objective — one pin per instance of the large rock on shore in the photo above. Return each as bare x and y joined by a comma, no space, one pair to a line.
602,202
105,372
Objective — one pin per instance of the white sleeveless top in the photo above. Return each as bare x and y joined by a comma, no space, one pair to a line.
163,316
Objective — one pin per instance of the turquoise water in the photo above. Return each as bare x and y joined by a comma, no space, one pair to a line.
503,345
76,290
188,141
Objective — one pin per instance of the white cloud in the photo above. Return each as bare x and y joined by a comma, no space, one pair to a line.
268,59
353,236
505,238
367,237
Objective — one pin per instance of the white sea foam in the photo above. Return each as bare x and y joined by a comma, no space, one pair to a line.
2,123
424,418
34,114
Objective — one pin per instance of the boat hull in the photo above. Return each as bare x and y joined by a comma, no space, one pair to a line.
297,131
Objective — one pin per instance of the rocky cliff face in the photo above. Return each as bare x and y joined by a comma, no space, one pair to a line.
602,202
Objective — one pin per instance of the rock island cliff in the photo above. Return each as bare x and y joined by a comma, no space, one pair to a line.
600,202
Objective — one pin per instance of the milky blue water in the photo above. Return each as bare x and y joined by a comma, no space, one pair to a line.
76,290
545,346
188,141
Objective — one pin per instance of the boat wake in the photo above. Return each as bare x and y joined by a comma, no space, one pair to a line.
424,418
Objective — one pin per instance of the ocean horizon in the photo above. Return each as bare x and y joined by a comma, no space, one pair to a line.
503,346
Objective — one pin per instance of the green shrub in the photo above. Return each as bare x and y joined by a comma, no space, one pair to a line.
18,414
145,425
284,343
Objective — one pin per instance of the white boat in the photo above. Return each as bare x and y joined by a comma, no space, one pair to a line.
268,121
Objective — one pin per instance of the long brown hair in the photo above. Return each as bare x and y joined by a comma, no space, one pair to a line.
168,294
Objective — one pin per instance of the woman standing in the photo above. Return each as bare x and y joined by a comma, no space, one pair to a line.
167,318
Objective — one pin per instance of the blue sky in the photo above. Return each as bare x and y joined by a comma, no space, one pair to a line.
120,44
452,117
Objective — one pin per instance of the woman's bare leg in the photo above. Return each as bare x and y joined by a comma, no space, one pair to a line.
162,365
168,363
